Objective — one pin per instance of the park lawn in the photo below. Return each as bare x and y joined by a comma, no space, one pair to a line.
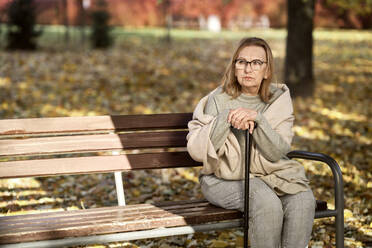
143,73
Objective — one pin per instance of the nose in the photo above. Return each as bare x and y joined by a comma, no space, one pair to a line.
247,67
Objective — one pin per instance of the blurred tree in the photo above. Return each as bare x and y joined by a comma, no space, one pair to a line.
299,48
65,21
81,20
21,25
100,36
351,12
166,10
1,22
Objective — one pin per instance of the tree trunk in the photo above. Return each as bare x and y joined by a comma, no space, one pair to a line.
168,19
299,48
65,21
81,20
366,21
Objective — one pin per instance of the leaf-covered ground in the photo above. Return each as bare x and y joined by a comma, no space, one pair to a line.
146,75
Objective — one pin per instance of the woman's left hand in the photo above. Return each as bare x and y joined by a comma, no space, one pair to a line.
242,118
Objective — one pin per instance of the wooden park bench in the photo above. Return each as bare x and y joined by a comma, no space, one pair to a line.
26,146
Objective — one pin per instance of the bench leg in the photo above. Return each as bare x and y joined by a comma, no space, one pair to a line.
339,222
119,188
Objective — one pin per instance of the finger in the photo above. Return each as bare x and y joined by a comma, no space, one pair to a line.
248,125
242,124
246,118
245,126
251,123
238,117
235,125
231,114
234,116
236,122
241,114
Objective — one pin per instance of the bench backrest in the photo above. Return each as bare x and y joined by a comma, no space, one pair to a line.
82,145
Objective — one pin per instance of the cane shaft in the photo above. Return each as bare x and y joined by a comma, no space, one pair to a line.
248,145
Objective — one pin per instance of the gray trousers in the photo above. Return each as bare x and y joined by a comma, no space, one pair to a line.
274,221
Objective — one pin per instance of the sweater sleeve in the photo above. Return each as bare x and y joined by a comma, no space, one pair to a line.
220,128
269,141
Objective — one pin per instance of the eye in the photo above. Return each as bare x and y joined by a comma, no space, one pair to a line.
257,62
241,61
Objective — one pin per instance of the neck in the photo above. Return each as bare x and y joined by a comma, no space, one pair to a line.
251,91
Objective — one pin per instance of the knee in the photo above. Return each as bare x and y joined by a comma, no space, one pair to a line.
267,205
304,201
302,205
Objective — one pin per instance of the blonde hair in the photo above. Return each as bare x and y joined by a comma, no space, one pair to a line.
229,82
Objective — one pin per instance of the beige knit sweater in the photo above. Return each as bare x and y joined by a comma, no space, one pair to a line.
284,176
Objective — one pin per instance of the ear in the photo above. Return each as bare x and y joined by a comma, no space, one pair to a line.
266,75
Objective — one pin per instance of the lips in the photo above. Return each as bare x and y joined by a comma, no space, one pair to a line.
248,78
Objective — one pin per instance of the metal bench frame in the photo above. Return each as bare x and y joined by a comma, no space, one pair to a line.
189,229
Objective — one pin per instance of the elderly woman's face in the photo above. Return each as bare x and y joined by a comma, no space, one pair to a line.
250,68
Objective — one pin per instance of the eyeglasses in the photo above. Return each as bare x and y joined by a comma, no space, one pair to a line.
255,64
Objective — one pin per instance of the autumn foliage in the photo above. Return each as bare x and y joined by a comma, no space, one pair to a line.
143,75
134,13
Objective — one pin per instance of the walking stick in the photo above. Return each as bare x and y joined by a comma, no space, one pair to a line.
248,148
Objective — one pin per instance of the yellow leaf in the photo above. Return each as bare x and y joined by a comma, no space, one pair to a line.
219,244
141,109
164,71
72,208
4,105
223,236
369,185
136,192
22,85
239,241
348,214
4,82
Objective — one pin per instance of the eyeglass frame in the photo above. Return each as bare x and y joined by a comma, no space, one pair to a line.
246,63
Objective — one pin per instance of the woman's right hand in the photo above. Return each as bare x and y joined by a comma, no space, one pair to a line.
242,118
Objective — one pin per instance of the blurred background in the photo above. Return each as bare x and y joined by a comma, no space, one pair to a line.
96,57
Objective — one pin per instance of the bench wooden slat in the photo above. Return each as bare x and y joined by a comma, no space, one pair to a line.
99,211
9,221
85,143
120,216
179,216
93,123
76,215
95,164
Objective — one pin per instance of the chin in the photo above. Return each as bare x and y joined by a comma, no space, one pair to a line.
250,85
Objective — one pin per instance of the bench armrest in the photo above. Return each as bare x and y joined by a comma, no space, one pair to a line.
336,171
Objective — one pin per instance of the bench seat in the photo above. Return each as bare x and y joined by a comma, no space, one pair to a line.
96,221
33,227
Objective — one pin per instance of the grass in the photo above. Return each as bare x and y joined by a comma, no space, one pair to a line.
54,36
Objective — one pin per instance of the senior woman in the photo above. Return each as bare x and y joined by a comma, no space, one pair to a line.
282,205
